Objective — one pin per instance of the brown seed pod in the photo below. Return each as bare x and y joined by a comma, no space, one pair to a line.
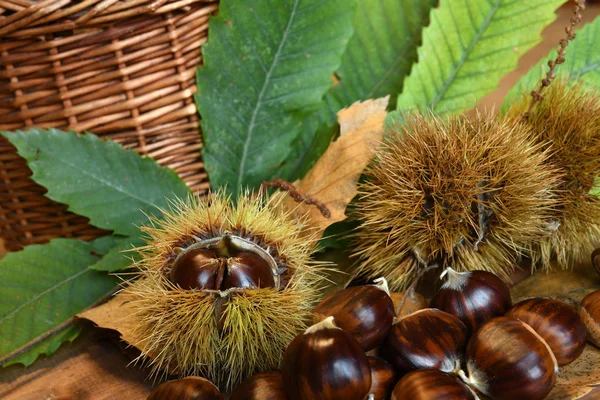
431,384
325,363
383,378
566,123
455,190
190,388
222,288
556,322
473,296
589,311
428,338
507,359
366,312
596,260
261,386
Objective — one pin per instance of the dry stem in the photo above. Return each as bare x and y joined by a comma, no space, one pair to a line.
280,184
560,58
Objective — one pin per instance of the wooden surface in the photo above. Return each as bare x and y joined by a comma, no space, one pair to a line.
94,367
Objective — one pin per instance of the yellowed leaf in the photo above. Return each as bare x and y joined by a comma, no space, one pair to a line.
115,314
334,178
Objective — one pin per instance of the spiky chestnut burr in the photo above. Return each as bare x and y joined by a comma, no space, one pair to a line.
566,124
457,190
222,288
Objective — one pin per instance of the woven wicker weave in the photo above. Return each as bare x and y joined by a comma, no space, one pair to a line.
122,69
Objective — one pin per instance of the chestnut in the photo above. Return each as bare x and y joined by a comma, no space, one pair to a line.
383,377
596,260
261,386
248,269
431,384
507,359
589,311
190,388
197,269
408,302
325,363
366,312
473,296
556,322
428,338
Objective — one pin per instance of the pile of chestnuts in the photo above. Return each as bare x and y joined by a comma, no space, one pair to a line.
471,343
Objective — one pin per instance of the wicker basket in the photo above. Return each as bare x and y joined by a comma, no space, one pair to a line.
122,69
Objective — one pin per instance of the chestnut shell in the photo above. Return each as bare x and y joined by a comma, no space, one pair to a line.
474,297
247,269
589,310
190,388
325,364
197,269
506,359
428,338
366,312
431,384
261,386
556,322
383,378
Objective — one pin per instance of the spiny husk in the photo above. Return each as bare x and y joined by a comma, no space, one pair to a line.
567,124
430,189
223,336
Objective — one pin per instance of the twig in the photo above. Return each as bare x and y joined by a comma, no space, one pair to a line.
280,184
560,58
413,285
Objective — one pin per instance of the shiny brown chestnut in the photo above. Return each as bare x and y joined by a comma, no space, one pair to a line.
247,269
507,359
261,386
596,260
366,312
190,388
556,322
431,384
589,311
473,296
325,363
383,378
197,269
428,338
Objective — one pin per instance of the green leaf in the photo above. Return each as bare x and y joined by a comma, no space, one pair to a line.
42,287
469,46
118,257
595,190
267,65
582,63
115,188
375,63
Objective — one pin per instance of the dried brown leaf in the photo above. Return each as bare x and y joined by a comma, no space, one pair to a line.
573,380
115,314
334,177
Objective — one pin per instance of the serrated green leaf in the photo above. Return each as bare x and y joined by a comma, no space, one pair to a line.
49,346
118,257
582,63
266,66
375,63
113,187
468,47
103,244
42,287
